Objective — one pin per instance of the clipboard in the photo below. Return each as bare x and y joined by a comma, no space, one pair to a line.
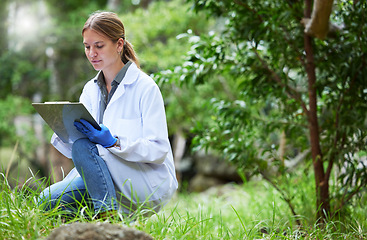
60,117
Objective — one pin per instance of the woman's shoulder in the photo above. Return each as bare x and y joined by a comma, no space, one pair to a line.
147,82
90,87
139,76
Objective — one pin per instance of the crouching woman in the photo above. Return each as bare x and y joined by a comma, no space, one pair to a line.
127,163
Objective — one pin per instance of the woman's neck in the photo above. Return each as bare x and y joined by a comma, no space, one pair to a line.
110,73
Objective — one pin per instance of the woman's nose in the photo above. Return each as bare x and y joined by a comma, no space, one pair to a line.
92,53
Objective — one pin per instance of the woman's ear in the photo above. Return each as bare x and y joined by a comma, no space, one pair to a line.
120,45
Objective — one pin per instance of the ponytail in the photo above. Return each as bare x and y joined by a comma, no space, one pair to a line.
128,54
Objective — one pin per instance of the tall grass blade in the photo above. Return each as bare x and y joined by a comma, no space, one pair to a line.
239,218
11,159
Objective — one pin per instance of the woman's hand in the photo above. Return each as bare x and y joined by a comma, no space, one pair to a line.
102,136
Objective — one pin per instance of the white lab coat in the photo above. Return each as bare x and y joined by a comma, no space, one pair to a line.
143,169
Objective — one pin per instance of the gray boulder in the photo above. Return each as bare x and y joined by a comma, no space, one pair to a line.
97,231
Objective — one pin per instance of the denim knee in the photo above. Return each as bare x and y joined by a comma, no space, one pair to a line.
80,146
80,149
49,200
45,200
65,194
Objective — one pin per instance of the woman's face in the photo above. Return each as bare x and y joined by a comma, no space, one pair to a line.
101,52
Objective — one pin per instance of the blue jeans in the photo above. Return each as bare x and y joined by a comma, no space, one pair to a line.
93,184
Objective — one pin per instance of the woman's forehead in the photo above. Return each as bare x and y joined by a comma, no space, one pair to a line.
91,36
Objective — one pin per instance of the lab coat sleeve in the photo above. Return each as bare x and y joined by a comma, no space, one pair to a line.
147,141
63,148
85,97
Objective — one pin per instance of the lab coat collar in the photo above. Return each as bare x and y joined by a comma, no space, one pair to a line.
131,76
125,80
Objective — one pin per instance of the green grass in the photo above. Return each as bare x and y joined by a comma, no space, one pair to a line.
227,212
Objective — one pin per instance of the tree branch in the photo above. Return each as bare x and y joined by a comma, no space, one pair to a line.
261,20
283,194
249,8
293,93
291,44
335,150
349,197
337,137
318,24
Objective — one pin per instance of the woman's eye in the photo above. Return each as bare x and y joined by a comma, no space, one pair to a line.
100,46
87,47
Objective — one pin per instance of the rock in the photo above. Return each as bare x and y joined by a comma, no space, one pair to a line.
202,182
212,171
97,231
215,167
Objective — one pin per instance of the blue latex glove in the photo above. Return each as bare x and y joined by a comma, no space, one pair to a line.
102,136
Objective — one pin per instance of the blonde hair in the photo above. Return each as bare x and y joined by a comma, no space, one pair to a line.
109,24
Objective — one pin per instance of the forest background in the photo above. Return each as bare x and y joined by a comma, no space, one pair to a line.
241,79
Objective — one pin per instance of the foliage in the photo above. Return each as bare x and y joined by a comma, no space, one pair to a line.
21,76
261,49
11,107
155,39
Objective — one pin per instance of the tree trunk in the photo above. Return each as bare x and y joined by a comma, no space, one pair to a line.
3,27
321,184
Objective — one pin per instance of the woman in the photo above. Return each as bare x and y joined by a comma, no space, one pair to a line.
128,162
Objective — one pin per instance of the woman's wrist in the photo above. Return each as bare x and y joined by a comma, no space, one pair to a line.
116,144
